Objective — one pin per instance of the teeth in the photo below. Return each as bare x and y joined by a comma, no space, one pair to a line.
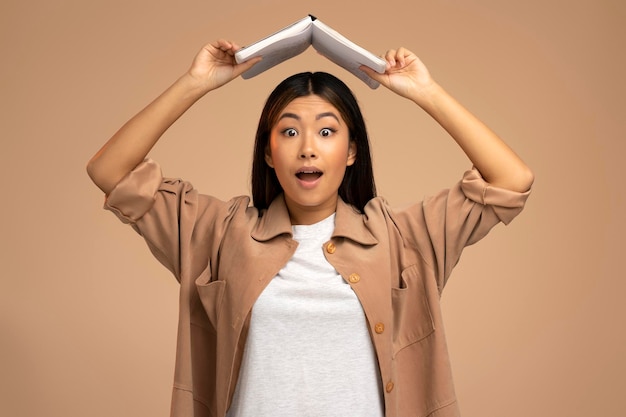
308,173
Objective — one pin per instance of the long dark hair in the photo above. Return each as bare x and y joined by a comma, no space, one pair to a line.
357,187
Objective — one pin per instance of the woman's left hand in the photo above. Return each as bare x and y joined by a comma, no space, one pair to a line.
405,74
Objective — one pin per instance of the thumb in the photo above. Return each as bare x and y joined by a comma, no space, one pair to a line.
245,66
381,78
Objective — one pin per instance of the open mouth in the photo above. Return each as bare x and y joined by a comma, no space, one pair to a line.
307,175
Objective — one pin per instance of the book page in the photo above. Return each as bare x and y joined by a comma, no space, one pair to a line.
345,53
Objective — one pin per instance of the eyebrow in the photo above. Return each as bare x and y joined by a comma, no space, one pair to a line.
318,117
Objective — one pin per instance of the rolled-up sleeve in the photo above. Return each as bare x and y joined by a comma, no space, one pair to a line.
442,225
506,204
176,221
135,194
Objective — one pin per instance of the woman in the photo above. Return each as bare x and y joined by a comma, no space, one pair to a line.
319,299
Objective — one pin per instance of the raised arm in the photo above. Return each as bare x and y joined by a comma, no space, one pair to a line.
212,67
407,76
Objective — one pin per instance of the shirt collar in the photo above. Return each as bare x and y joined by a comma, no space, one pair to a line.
349,223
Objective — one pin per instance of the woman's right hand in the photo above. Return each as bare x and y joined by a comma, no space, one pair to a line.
215,64
213,67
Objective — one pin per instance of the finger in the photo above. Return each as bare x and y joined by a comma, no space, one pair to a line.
245,66
401,54
222,44
227,46
232,48
373,74
390,57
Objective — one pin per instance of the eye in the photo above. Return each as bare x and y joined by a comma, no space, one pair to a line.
327,132
291,132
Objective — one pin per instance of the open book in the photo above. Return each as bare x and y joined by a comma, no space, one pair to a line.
296,38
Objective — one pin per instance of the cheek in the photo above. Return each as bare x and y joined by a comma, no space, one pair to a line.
281,162
276,155
340,155
272,153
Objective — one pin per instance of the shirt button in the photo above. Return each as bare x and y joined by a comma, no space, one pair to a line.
331,248
354,278
389,386
379,328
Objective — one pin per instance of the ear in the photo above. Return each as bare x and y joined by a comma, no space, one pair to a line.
268,157
351,153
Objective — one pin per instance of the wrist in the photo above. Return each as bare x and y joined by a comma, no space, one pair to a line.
193,86
428,96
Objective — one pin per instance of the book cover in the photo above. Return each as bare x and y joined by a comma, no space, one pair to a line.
297,37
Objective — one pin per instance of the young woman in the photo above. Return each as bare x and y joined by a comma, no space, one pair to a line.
318,299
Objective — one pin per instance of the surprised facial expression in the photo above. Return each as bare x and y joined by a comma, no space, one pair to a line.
309,149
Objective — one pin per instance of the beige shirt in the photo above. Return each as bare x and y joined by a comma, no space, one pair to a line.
396,261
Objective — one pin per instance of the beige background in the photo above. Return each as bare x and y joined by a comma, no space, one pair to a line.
534,313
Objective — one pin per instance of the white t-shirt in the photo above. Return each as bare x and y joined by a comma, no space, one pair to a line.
308,350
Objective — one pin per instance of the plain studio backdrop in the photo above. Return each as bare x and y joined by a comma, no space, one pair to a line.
534,313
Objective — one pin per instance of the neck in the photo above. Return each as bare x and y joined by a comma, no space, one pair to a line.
306,215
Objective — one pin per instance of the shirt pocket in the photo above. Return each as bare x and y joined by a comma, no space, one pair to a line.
413,320
211,294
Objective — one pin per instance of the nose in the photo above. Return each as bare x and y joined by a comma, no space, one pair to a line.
307,150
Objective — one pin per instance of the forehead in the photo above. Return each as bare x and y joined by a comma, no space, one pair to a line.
311,105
